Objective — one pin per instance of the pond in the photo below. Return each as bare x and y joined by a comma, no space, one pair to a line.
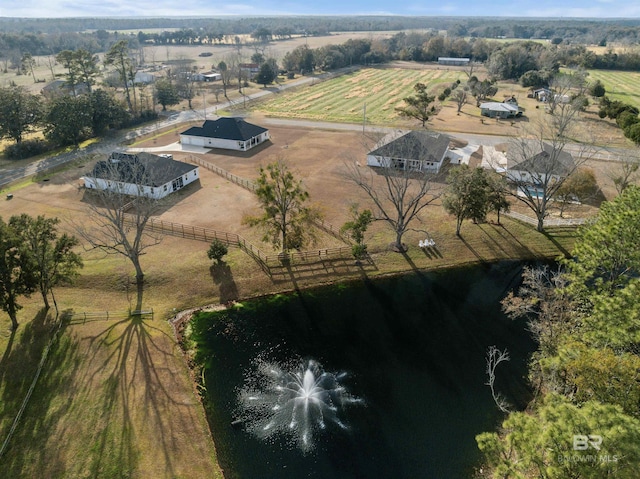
413,350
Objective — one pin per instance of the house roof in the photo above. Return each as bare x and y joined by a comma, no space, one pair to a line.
497,106
543,159
140,168
226,128
415,145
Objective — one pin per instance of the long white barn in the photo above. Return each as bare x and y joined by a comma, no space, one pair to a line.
141,174
229,133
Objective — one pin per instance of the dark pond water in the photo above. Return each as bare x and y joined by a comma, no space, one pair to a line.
414,349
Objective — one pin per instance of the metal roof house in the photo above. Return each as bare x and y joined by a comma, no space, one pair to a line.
141,174
500,110
229,133
415,150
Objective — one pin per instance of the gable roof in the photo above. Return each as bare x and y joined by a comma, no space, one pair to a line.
497,106
415,145
548,160
140,168
226,128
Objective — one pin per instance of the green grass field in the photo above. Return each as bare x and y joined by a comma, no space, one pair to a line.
342,99
620,85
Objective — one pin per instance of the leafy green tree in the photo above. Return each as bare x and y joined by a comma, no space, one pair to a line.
118,56
467,195
217,250
166,93
16,272
579,186
419,105
286,218
20,113
68,120
266,75
106,112
597,89
86,65
607,254
51,254
356,228
542,444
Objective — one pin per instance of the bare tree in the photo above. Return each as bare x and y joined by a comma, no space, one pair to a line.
626,172
398,191
542,159
495,357
460,97
121,210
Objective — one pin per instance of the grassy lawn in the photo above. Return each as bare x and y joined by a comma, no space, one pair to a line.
342,99
620,85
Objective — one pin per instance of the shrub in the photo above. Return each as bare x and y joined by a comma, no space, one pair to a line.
26,149
217,250
359,251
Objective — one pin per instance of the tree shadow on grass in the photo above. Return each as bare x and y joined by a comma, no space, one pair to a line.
134,401
222,276
32,452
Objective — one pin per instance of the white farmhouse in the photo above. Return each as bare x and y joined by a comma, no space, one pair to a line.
535,164
415,150
229,133
141,174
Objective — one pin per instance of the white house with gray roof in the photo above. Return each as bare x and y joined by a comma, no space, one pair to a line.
141,174
229,133
415,150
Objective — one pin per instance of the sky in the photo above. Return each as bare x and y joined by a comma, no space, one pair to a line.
155,8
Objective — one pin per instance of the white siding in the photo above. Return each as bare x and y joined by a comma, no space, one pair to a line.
136,190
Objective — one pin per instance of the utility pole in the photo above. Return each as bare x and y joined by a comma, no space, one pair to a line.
364,116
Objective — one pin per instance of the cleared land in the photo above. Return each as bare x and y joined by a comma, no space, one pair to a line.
382,89
619,85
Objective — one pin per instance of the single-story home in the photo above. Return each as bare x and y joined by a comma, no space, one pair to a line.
250,68
533,163
143,78
229,133
141,174
494,109
453,61
207,76
61,88
415,150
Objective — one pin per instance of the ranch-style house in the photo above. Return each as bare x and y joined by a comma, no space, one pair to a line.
415,150
229,133
141,174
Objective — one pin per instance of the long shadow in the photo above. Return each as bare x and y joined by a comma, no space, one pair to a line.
320,269
222,276
472,249
27,455
521,246
133,386
565,252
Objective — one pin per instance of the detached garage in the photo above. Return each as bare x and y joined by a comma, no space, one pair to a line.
229,133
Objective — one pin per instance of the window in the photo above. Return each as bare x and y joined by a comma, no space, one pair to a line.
165,187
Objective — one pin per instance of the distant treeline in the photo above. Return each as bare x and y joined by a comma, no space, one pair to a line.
422,39
590,31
